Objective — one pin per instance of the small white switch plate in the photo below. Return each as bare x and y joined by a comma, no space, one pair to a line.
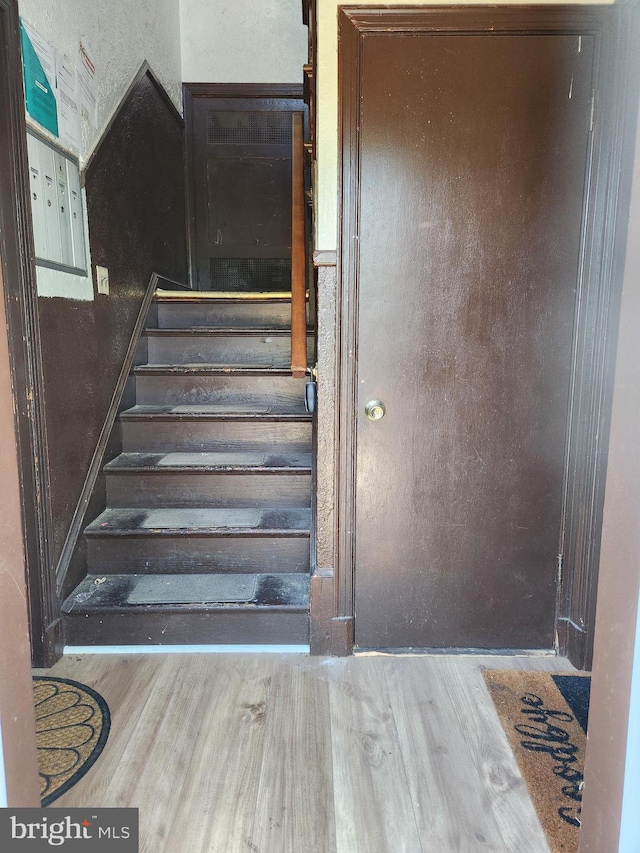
102,280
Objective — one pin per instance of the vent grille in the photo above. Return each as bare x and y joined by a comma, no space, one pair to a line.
245,128
250,274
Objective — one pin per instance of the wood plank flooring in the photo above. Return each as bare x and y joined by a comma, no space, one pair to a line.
265,753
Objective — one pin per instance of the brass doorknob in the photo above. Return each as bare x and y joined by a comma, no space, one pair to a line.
375,410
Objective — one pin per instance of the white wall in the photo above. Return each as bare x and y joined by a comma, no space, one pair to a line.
122,34
242,41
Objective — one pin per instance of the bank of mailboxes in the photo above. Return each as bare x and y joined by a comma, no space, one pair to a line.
56,204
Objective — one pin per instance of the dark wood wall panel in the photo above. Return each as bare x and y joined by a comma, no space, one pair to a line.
239,184
18,479
472,353
328,630
135,199
609,767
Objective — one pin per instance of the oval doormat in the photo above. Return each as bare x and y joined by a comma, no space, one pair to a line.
72,727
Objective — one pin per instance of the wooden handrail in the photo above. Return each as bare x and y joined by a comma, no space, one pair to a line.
298,254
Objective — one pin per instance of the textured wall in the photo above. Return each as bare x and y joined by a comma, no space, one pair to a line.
326,187
242,41
122,34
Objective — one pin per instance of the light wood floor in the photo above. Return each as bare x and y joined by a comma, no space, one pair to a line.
293,754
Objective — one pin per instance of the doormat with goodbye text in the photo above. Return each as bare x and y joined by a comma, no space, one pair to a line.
545,716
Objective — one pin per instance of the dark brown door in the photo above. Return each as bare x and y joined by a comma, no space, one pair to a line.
240,182
473,155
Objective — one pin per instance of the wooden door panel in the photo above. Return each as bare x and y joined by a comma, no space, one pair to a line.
473,154
239,175
260,217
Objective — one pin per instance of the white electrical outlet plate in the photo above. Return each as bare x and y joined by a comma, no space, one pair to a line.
102,280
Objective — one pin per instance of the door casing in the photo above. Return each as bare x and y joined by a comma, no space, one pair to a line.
16,248
593,350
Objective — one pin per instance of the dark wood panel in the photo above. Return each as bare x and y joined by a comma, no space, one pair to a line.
204,490
466,317
310,69
189,554
609,809
135,199
274,314
21,305
261,185
186,434
228,387
20,545
239,185
595,351
202,626
299,263
266,348
605,231
600,228
72,563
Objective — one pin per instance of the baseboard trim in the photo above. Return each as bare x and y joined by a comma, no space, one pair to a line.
495,653
77,522
186,650
573,641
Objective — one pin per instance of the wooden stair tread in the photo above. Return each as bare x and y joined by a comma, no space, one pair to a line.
111,593
236,411
222,331
204,369
196,296
201,521
212,462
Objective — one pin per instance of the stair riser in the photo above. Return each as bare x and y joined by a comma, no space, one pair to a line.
254,315
154,627
246,350
163,436
194,555
160,489
175,390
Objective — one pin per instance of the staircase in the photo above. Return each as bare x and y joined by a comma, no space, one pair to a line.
205,536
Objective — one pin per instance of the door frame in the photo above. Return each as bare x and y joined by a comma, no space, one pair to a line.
21,300
597,300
